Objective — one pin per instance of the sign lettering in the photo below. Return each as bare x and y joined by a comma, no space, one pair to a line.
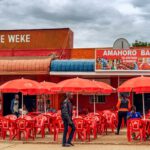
15,38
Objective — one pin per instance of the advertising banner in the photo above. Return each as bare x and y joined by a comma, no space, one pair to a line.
116,60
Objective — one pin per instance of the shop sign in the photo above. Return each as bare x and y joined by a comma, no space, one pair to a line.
127,59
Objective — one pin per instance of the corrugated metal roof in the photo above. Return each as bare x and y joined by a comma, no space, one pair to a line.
73,65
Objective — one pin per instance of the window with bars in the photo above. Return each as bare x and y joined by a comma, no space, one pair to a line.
99,99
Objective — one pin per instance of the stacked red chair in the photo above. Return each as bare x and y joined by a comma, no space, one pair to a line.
48,122
92,125
8,126
1,118
111,120
58,128
25,126
135,127
40,125
102,125
81,129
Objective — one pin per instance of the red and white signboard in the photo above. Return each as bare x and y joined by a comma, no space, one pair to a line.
116,60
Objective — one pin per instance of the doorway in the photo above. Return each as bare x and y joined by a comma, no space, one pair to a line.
29,101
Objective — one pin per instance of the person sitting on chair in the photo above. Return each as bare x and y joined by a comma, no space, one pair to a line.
133,114
24,111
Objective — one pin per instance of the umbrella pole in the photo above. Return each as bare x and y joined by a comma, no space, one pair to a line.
118,86
143,105
77,104
45,103
22,105
94,105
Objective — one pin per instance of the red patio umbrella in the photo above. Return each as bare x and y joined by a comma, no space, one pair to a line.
25,86
137,85
47,86
77,85
105,89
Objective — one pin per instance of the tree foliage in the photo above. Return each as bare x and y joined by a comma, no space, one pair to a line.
140,44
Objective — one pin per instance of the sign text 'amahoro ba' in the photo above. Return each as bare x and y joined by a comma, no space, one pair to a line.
126,59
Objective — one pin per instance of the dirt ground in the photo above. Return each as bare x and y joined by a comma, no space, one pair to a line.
103,142
18,146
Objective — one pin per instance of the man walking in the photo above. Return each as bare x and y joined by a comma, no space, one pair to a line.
66,114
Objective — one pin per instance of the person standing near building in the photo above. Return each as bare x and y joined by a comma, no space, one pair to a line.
123,107
15,105
66,114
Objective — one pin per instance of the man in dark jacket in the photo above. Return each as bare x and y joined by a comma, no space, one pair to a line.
66,114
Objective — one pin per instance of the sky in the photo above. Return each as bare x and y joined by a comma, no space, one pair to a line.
95,23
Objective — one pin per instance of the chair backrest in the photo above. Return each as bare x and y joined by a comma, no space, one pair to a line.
5,123
59,124
33,114
79,123
27,117
21,124
134,124
106,111
11,117
40,120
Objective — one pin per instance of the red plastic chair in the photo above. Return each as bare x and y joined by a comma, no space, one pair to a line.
111,121
136,127
58,128
24,126
8,126
49,123
92,125
1,119
102,125
40,125
80,129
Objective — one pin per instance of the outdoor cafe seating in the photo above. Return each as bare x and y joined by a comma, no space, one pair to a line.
138,129
87,126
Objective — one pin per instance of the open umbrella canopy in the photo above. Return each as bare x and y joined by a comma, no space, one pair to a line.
76,85
105,88
138,85
47,86
26,86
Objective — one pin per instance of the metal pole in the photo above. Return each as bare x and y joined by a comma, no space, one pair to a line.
143,105
45,103
77,104
94,104
118,86
132,98
22,105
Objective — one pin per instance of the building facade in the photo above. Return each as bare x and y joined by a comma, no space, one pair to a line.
48,54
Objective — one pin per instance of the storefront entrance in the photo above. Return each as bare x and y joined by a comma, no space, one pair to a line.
29,101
